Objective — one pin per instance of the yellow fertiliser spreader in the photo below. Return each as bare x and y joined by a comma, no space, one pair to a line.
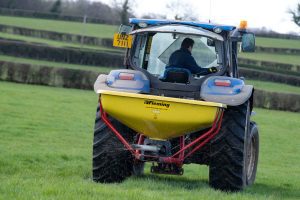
179,100
158,117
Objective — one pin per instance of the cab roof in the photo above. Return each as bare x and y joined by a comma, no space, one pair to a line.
179,29
155,22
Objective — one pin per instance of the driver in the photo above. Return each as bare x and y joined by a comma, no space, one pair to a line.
182,58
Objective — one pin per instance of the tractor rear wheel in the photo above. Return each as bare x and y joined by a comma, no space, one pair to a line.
112,162
227,167
252,153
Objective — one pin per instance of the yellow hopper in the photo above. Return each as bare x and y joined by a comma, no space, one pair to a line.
159,117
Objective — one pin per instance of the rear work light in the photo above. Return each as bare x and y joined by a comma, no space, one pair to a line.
126,76
222,82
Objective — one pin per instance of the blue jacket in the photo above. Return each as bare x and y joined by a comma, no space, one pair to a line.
182,58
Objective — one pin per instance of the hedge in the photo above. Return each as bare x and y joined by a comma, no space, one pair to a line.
73,78
269,76
45,15
68,55
51,35
270,66
278,35
277,101
113,59
277,50
50,76
66,37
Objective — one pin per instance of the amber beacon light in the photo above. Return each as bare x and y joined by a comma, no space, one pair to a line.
243,24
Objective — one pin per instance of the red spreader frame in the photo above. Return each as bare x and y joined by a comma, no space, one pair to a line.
185,149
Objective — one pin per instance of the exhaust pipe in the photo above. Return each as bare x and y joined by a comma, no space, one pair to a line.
150,148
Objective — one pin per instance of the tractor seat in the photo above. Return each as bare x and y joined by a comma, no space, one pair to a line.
176,75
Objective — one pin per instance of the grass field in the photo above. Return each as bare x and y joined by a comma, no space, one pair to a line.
46,140
273,87
95,30
269,86
279,43
279,58
54,64
54,43
106,31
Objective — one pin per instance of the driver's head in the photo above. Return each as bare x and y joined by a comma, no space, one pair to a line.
187,43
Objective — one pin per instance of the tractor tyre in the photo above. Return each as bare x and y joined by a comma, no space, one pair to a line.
252,153
227,167
138,168
112,162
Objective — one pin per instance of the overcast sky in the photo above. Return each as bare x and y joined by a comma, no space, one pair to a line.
271,14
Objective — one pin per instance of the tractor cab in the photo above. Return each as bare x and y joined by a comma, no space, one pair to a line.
152,42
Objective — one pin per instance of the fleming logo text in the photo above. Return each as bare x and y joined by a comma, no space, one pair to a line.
156,103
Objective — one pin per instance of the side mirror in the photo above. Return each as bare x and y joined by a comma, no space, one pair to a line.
248,42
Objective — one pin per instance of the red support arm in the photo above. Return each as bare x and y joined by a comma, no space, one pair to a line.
119,136
178,157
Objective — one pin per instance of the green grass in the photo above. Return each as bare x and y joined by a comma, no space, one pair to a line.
279,43
54,43
54,64
273,87
95,30
106,31
279,58
46,146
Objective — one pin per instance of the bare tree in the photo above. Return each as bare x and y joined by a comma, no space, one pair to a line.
124,9
124,12
181,10
154,16
296,15
37,5
84,8
56,8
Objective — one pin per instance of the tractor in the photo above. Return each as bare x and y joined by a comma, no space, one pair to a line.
149,111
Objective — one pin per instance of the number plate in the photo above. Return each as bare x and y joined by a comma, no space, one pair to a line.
122,40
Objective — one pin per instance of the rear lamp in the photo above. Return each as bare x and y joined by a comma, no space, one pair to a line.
126,76
222,82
